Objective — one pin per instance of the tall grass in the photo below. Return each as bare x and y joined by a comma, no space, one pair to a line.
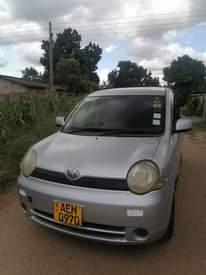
24,121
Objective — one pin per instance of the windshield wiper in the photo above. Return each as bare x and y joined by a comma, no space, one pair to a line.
80,130
108,132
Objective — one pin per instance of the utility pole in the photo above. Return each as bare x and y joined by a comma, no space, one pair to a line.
51,68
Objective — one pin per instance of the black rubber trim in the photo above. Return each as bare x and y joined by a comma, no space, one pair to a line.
89,182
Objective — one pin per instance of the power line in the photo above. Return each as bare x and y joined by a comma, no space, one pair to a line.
96,31
108,21
25,32
16,37
145,27
132,33
159,27
120,35
101,23
137,17
135,25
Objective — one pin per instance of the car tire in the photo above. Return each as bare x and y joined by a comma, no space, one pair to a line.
170,229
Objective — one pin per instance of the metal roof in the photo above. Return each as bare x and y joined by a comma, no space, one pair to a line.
29,83
132,91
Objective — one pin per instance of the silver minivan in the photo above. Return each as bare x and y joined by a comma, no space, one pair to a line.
110,172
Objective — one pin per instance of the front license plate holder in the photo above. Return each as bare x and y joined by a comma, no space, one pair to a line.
67,213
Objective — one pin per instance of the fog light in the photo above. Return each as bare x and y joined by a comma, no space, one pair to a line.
141,233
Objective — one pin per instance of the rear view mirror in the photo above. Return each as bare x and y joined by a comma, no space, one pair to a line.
183,125
60,121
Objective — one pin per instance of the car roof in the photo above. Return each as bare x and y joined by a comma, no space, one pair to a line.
132,91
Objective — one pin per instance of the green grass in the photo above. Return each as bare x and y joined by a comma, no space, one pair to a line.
199,126
23,122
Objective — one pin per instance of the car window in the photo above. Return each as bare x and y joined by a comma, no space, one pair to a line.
141,112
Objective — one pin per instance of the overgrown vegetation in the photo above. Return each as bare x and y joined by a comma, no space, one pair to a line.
199,126
75,66
186,76
193,108
24,121
75,62
129,74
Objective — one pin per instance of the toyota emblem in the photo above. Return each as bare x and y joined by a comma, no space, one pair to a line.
73,174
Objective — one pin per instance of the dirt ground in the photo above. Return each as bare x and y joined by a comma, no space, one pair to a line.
29,249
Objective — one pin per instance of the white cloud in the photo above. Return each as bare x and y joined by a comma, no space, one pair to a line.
145,48
4,12
103,75
148,13
80,13
11,33
39,68
162,6
28,54
146,26
173,50
111,48
3,61
169,53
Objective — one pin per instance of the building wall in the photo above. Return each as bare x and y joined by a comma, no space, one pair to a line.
36,91
8,87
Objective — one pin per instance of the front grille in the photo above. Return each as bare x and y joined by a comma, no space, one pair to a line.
87,230
89,182
85,224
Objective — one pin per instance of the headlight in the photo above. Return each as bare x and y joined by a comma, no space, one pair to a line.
28,163
143,177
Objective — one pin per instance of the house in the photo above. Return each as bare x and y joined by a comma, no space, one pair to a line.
10,85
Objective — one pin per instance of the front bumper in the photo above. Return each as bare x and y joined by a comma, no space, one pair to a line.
109,216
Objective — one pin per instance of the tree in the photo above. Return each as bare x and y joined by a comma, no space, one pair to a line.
151,81
92,53
129,74
64,46
31,74
68,45
186,76
68,74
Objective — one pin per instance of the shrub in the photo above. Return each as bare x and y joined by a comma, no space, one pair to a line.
193,108
24,121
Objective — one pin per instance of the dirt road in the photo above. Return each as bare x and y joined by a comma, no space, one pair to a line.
29,249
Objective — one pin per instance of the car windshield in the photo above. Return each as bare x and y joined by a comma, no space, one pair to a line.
118,115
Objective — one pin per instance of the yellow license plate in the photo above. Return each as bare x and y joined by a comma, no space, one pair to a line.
67,213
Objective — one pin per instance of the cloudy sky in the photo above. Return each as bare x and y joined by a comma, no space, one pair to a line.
149,32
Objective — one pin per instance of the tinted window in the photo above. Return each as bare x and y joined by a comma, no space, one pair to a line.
141,112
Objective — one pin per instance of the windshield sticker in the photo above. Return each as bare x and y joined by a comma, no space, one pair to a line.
156,122
157,115
157,103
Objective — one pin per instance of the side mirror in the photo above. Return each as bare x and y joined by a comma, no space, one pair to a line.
183,125
60,121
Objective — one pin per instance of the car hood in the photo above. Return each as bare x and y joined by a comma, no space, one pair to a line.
109,157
